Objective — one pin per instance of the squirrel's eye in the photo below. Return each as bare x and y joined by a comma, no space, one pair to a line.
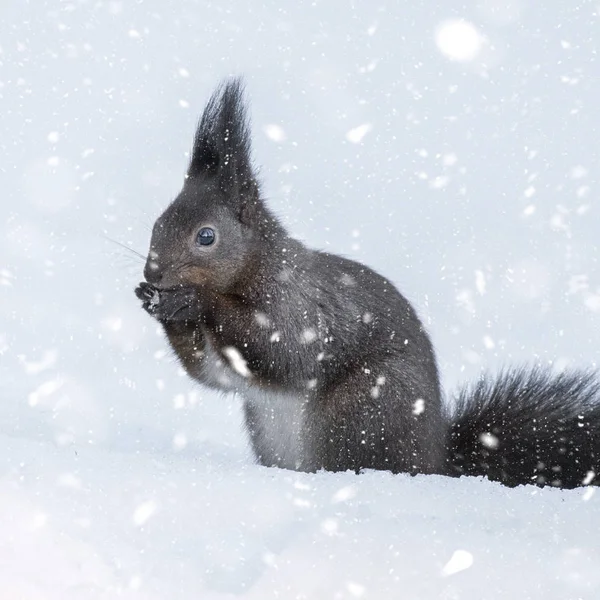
206,236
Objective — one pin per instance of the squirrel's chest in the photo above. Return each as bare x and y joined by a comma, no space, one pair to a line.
274,418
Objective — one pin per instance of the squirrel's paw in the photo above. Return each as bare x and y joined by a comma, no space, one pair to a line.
149,296
147,293
176,304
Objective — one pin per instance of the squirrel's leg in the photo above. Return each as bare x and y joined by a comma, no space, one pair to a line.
265,451
187,341
373,419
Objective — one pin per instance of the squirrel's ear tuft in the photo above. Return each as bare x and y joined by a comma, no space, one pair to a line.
222,145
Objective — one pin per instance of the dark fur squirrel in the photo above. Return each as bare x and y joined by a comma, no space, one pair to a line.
334,366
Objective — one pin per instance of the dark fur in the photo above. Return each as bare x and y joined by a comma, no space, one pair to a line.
337,371
545,428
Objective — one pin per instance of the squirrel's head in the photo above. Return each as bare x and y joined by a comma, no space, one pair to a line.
214,233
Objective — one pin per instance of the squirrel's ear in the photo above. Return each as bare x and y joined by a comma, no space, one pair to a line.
222,145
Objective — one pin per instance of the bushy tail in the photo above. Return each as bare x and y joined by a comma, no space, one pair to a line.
528,426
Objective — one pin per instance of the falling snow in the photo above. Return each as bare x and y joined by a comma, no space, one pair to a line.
459,40
262,319
489,440
236,360
358,133
418,407
275,133
143,512
452,148
590,476
308,336
460,560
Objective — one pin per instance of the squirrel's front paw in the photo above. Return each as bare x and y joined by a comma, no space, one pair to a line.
147,293
149,296
176,304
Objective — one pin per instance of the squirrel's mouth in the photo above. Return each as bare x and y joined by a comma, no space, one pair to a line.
174,283
168,276
168,286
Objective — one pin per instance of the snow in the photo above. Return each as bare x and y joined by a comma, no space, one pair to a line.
237,361
460,561
356,134
459,40
457,144
99,523
274,132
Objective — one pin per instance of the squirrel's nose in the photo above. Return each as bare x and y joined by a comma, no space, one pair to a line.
152,271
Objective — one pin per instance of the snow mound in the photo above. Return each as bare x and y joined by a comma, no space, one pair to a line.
94,523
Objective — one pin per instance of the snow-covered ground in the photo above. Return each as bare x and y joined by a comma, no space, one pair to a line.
90,523
451,146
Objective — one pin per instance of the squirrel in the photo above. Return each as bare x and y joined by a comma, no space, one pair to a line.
335,369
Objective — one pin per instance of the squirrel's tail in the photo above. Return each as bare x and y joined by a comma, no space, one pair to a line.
528,426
